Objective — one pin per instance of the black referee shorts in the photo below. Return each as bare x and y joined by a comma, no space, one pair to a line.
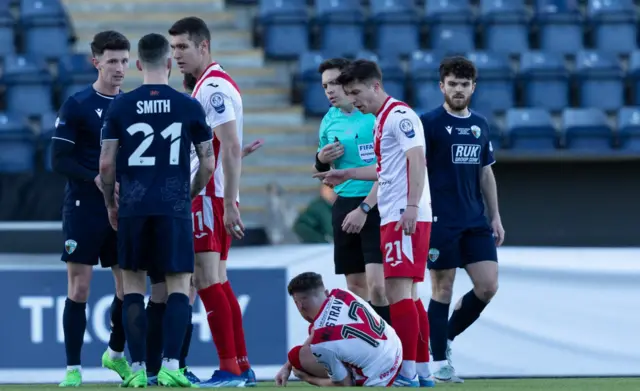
351,252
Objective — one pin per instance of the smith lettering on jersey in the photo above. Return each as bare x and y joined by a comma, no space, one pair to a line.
460,148
349,338
156,126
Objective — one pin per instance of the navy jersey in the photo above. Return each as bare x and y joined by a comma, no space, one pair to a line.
457,150
76,145
156,126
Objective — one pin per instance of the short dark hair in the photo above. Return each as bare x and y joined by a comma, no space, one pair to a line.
109,40
360,71
189,82
305,282
458,67
333,63
193,26
153,49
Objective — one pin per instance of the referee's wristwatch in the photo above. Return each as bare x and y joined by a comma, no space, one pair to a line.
365,208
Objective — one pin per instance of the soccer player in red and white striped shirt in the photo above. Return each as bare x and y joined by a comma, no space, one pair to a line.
215,212
405,209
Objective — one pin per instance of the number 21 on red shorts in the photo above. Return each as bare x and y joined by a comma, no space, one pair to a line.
405,256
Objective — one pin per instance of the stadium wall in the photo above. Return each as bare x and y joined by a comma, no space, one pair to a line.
543,203
559,312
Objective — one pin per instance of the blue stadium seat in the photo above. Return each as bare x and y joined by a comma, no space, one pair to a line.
28,85
614,23
47,126
46,28
633,74
397,28
545,80
285,28
601,80
587,130
629,128
314,99
17,147
530,129
505,25
341,25
560,25
495,131
75,72
7,33
394,77
494,90
450,25
425,76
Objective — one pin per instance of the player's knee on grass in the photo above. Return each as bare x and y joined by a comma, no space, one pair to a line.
206,271
442,285
398,289
117,279
159,292
375,284
134,282
357,283
178,283
79,281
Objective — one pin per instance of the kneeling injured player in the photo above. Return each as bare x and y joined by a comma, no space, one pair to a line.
348,345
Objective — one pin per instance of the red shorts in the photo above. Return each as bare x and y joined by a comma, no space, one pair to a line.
209,234
405,256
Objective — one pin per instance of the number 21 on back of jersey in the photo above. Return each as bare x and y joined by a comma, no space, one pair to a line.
172,132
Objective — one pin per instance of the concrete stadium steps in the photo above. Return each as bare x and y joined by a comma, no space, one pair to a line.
280,140
274,117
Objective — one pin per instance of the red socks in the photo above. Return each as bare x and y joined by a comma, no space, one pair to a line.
423,340
219,316
404,318
238,329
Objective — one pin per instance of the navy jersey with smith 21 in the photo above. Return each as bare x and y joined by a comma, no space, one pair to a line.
76,154
155,126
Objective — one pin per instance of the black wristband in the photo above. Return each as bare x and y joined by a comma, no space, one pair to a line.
322,167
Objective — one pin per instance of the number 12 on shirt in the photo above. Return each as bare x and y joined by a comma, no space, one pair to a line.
173,131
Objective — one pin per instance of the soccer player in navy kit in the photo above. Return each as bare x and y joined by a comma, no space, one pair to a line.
459,159
87,233
149,131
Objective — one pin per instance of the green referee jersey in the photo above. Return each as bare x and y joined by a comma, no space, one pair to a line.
355,132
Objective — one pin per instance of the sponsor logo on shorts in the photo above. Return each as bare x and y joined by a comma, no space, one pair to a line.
70,246
434,253
465,153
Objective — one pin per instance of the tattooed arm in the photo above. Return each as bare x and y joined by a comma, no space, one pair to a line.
205,169
108,155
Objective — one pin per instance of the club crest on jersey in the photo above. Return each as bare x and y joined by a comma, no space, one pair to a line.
406,126
70,246
434,253
476,131
217,101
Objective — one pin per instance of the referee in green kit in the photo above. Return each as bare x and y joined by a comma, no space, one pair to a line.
346,141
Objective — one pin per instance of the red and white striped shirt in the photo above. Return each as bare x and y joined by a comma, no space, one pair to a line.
397,130
220,98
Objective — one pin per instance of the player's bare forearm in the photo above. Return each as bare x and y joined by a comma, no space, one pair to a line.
205,169
108,154
489,189
417,168
231,165
372,197
367,173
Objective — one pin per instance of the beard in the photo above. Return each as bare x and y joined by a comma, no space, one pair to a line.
453,105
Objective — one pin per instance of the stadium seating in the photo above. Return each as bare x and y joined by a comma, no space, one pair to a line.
285,28
495,88
633,76
28,84
450,25
545,80
530,129
46,31
7,33
586,130
315,102
341,24
599,74
614,23
423,67
505,23
397,27
17,146
75,72
560,26
629,129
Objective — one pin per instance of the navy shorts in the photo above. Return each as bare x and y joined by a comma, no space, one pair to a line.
157,244
452,248
88,236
